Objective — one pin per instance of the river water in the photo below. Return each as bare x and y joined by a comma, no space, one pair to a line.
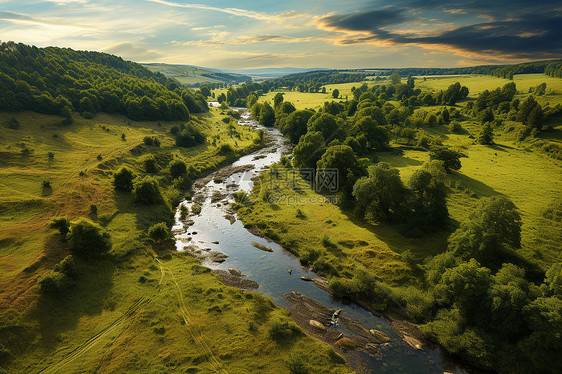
211,232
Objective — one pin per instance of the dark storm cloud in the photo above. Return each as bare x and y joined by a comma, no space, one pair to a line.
518,29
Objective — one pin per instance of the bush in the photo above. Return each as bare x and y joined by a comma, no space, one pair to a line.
61,224
46,184
178,169
190,137
148,192
296,365
88,115
175,130
88,239
123,180
151,140
282,330
226,149
184,211
456,128
68,267
54,283
195,208
159,232
150,165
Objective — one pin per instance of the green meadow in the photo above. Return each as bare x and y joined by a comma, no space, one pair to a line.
144,308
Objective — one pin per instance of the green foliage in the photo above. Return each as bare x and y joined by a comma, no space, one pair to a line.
178,169
150,165
486,136
267,115
297,365
62,224
196,208
362,286
451,159
310,149
88,239
89,82
151,140
123,180
327,125
336,93
489,233
282,330
295,125
190,137
159,232
381,193
148,192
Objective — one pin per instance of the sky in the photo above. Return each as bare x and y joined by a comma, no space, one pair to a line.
306,34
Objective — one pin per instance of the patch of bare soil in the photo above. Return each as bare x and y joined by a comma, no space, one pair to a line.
236,280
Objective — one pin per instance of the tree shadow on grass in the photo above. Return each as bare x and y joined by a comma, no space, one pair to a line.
429,245
479,188
57,314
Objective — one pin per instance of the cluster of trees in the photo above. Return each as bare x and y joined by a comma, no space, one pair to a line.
57,81
554,69
484,303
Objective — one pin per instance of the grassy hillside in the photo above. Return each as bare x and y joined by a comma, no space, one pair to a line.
193,76
110,321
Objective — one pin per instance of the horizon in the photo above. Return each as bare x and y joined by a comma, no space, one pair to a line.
256,35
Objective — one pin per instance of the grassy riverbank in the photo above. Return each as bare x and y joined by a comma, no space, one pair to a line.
142,308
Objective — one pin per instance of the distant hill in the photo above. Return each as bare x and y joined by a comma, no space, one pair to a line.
59,80
270,73
194,76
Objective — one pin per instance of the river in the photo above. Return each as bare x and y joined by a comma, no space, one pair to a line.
210,232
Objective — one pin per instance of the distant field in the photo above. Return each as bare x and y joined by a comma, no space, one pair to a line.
195,76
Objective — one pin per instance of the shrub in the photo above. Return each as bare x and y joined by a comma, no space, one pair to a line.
296,365
195,208
226,149
148,140
123,180
150,165
88,239
282,330
175,130
88,115
93,209
68,267
54,283
148,192
50,155
61,224
190,137
456,128
159,232
178,169
46,184
184,211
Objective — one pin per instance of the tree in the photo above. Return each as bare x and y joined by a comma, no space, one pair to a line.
278,99
309,150
486,136
123,180
327,125
150,165
336,93
295,124
177,169
190,137
429,199
205,91
340,158
88,239
490,232
531,113
148,192
381,193
159,232
267,115
61,224
466,286
377,137
395,78
450,158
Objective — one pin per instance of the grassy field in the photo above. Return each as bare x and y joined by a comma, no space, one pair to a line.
195,76
180,317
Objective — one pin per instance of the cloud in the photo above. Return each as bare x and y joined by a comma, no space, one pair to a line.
131,52
233,11
531,33
24,18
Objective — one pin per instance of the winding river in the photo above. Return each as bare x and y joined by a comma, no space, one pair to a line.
209,233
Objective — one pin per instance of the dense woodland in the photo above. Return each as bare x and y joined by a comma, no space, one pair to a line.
57,81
